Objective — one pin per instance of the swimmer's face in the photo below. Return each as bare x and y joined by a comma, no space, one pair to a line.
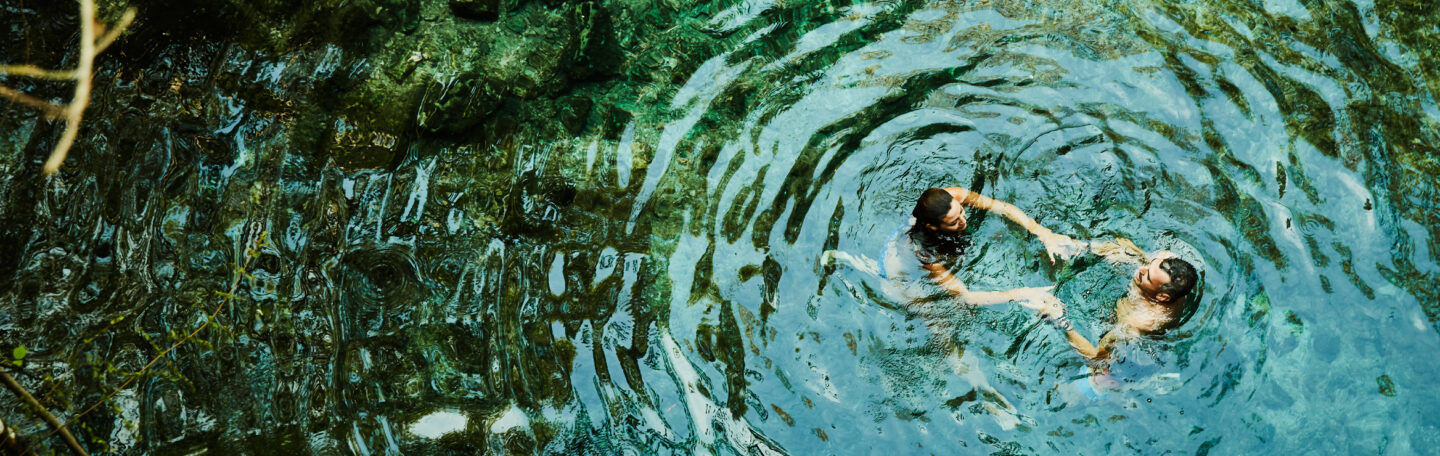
1150,277
954,221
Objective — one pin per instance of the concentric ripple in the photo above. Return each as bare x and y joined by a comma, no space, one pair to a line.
699,278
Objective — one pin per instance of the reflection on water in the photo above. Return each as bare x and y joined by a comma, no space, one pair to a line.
665,287
438,424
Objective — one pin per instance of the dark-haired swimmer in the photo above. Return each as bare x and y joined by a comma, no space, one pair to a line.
1154,303
915,266
922,250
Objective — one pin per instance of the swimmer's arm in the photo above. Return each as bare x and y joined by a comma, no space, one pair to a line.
1055,244
978,201
1083,345
1088,350
949,282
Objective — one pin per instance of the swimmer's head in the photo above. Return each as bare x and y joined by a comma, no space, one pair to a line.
936,211
1167,278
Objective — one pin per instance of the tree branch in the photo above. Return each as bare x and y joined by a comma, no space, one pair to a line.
229,297
114,32
51,110
65,433
83,72
33,71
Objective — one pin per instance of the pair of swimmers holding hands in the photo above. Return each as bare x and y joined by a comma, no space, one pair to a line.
1154,302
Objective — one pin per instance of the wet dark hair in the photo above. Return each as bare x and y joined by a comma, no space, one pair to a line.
1182,278
931,207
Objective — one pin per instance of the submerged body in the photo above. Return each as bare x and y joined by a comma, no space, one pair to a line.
1153,303
917,267
918,255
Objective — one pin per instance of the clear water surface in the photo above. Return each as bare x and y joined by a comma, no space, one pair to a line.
667,289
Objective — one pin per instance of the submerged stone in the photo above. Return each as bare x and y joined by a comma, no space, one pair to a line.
1387,387
480,10
459,106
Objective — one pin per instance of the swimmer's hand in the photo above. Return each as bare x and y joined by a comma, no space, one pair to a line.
1038,299
1061,245
1052,311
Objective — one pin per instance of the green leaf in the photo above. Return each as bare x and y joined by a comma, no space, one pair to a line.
19,354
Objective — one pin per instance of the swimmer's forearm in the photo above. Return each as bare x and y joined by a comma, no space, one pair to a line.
957,288
978,201
971,199
949,282
1081,344
990,298
986,298
1019,217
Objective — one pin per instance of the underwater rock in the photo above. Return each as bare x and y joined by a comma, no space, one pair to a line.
1387,386
363,79
480,10
594,47
274,25
459,106
353,148
574,111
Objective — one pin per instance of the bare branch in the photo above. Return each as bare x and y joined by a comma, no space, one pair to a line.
37,72
114,32
228,298
24,394
51,110
83,70
83,73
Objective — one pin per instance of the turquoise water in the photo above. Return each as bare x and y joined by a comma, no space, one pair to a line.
662,284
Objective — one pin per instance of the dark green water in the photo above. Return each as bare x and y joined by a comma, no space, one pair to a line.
655,282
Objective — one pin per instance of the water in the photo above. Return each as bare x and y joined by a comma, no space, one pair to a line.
662,286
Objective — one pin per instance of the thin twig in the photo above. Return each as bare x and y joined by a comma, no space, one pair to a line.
51,110
74,112
229,297
83,72
20,391
33,71
114,32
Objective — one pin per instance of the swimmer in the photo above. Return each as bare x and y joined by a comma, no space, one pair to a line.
915,264
923,248
1154,303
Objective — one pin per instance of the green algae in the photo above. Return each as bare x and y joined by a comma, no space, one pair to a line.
1387,386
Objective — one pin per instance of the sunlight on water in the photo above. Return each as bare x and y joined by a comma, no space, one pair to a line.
436,424
512,418
693,269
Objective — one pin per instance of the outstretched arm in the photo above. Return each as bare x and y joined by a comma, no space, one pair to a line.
1082,345
978,201
1029,297
1090,351
1055,244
